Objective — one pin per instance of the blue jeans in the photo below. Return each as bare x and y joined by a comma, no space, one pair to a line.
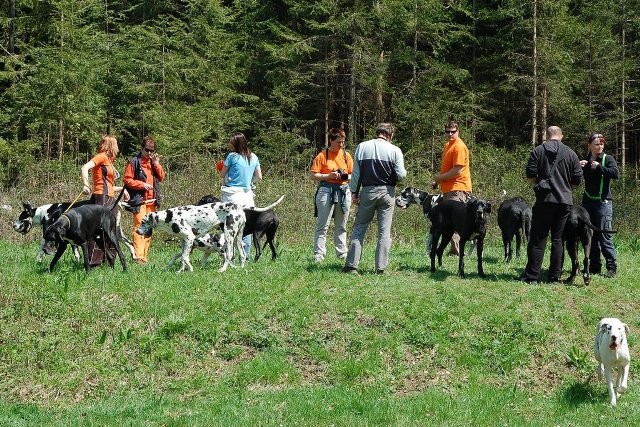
601,214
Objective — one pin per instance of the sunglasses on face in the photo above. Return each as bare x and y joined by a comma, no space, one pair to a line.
148,150
450,132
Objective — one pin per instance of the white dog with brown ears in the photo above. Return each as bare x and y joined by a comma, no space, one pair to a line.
612,352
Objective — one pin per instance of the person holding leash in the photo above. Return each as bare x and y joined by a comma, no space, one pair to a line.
599,169
378,167
454,178
331,168
554,169
240,172
104,175
142,178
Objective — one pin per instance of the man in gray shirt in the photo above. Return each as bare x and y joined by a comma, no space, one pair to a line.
378,166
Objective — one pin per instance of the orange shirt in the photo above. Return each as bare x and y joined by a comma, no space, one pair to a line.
131,182
101,161
335,161
456,153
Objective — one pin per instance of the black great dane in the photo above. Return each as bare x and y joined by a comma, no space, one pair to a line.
79,225
469,220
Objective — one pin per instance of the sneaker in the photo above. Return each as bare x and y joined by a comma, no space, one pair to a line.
350,270
318,258
611,273
140,261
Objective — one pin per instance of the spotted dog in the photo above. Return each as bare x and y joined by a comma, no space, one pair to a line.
469,220
612,352
411,195
46,215
258,224
192,222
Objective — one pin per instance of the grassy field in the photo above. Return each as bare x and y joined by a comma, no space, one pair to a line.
296,343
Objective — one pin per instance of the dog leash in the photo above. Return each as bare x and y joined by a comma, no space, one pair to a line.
73,203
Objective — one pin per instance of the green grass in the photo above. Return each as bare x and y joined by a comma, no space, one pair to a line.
296,343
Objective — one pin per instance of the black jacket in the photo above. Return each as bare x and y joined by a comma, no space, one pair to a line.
603,174
567,173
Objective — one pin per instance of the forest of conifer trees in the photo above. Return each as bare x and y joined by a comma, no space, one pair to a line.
190,72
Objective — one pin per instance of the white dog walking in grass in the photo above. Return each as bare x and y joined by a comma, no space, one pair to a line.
612,352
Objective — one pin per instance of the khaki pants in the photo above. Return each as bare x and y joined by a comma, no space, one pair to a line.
141,243
459,196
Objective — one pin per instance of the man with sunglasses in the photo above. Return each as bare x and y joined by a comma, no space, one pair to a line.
599,169
455,174
142,178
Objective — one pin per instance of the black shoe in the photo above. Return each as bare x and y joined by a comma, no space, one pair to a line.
611,273
379,271
553,280
527,280
350,270
595,270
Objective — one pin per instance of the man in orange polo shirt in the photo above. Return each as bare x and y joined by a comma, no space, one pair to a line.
142,179
455,175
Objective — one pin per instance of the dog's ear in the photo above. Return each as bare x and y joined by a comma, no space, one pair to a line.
27,207
604,327
488,207
626,328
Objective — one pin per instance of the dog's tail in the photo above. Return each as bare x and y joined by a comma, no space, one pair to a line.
594,228
110,206
271,206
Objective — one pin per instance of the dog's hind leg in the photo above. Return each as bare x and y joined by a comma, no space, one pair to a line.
186,251
479,251
586,239
572,250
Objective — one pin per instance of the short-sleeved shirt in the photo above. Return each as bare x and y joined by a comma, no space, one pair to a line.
239,170
456,153
337,160
103,175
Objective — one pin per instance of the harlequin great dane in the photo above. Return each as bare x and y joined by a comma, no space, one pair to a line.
612,353
46,215
258,224
191,222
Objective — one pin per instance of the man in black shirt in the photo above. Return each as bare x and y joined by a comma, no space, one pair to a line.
554,168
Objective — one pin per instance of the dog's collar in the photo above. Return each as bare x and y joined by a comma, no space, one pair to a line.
68,220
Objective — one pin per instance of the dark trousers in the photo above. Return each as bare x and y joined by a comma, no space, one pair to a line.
547,217
601,214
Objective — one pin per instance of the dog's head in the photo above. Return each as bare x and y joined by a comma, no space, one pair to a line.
25,220
209,198
409,196
148,223
612,332
480,210
54,235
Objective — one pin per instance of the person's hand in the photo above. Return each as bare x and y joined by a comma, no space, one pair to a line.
355,198
594,164
155,158
148,186
583,163
434,185
86,189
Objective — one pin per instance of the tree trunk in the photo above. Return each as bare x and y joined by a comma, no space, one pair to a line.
60,138
12,27
534,106
352,100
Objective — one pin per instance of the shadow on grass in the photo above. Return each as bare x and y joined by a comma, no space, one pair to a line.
581,393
